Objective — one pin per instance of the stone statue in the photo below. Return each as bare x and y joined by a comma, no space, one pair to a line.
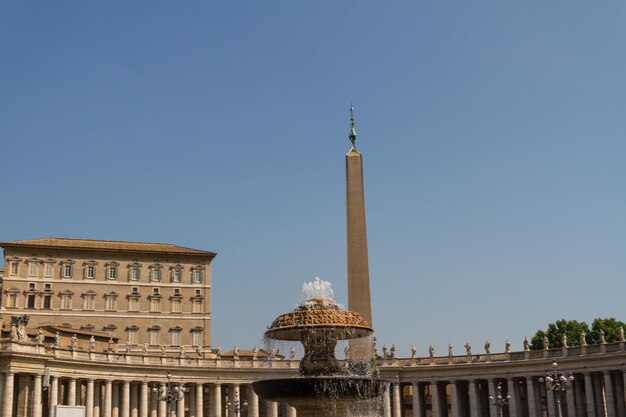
144,348
526,344
198,351
272,354
39,338
621,335
602,338
127,348
546,343
346,352
255,353
14,335
92,343
468,348
110,346
413,352
385,352
374,348
488,347
450,354
57,340
218,351
236,353
182,351
20,323
564,341
163,350
583,339
292,353
507,346
431,351
392,351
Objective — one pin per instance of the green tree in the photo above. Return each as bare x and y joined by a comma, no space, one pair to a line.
555,331
611,328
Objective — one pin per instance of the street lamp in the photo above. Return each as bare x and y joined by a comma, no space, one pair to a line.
236,406
557,382
170,394
499,400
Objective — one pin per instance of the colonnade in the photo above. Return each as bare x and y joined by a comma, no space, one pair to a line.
32,395
591,394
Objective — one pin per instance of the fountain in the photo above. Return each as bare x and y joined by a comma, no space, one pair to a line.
324,387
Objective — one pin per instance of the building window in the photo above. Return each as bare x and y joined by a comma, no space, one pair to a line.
30,300
32,268
196,306
155,305
11,300
14,268
110,328
175,336
66,301
133,335
175,306
112,270
47,301
196,337
155,290
90,271
67,269
48,269
177,273
89,300
155,273
134,272
133,304
197,275
110,302
155,333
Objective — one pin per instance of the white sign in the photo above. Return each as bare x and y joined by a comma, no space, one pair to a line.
69,411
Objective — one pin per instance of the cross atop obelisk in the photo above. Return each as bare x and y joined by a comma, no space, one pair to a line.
358,267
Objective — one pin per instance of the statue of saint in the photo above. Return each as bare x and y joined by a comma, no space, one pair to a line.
431,351
468,348
621,334
255,353
450,354
602,338
144,348
39,338
218,351
57,340
92,343
526,344
392,351
488,347
413,352
546,343
583,339
564,341
292,353
385,352
110,346
507,346
236,352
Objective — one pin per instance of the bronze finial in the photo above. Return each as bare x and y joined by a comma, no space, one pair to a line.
352,135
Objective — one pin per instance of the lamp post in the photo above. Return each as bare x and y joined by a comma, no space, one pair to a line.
557,382
170,393
499,400
236,406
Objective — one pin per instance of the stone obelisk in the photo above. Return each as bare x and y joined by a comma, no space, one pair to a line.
358,268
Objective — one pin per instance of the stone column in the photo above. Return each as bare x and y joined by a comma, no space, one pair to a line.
126,399
387,401
418,404
192,401
108,399
530,394
619,396
579,389
180,405
599,394
37,396
397,412
143,408
199,400
571,402
162,404
551,403
290,411
591,403
89,401
54,395
473,398
232,397
493,409
454,400
154,404
253,403
217,401
272,409
71,391
514,401
435,398
609,394
97,399
7,402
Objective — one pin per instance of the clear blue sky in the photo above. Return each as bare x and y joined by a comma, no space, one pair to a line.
493,135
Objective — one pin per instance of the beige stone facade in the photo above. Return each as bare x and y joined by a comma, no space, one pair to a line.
157,294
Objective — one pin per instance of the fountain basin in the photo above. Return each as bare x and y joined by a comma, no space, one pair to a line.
322,395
